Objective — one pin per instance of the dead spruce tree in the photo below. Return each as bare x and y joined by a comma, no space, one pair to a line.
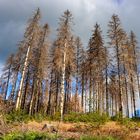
8,73
30,38
116,35
39,67
135,54
64,46
79,60
96,64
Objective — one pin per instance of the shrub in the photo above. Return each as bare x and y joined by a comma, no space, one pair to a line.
116,117
29,136
17,116
129,123
56,116
88,117
72,117
39,117
21,116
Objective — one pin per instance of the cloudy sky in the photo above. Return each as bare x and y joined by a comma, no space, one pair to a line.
14,15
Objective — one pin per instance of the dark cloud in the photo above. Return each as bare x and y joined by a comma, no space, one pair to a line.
14,15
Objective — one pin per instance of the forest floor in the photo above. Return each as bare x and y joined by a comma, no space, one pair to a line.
76,130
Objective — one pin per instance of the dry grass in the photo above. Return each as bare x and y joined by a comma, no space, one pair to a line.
75,130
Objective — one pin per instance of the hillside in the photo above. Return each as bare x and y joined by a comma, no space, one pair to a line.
73,131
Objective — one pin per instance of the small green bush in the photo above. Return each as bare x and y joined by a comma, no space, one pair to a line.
128,122
29,136
72,117
136,119
39,117
21,116
88,117
56,116
116,117
17,116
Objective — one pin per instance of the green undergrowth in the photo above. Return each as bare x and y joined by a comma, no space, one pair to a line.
29,136
130,123
92,118
46,136
87,117
20,116
80,117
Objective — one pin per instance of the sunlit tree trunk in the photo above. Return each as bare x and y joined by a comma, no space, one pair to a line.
63,82
19,95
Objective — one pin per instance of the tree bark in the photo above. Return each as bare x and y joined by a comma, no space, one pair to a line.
22,79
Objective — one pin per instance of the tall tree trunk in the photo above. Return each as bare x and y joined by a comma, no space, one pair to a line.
119,81
106,90
50,95
7,85
32,99
90,91
22,79
63,82
46,98
37,96
86,94
82,95
57,92
65,97
133,96
136,69
127,99
14,87
25,93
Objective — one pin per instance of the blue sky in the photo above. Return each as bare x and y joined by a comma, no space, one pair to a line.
14,15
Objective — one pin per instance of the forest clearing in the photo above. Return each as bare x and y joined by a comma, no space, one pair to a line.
54,130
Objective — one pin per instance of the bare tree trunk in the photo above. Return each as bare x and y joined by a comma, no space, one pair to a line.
126,92
76,92
63,82
119,82
32,99
136,69
106,90
22,79
50,95
90,92
25,93
37,96
86,94
132,104
14,88
133,96
9,74
113,104
65,97
82,98
46,98
57,92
